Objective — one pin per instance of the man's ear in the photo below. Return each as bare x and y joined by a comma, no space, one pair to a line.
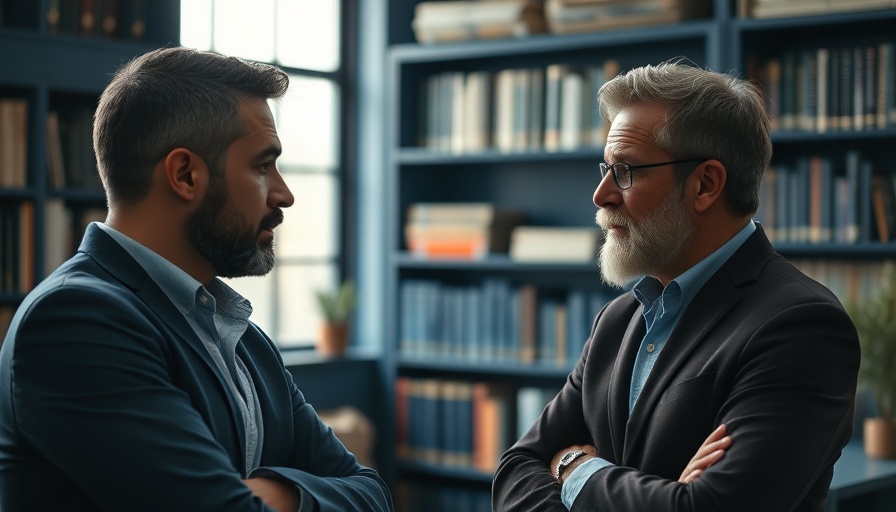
185,173
709,177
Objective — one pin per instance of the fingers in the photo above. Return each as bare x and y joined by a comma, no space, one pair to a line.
716,434
691,477
710,452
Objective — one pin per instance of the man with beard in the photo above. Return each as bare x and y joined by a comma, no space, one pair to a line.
132,377
724,380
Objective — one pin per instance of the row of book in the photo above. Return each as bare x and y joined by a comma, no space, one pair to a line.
71,161
851,281
496,322
109,19
511,110
17,239
784,8
814,199
64,226
13,142
418,496
462,424
831,88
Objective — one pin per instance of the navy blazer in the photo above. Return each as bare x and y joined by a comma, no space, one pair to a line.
109,401
761,348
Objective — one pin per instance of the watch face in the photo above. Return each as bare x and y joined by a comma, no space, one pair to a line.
569,457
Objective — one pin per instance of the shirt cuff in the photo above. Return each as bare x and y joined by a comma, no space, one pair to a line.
573,483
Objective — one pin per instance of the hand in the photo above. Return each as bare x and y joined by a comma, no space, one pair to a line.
280,496
590,453
709,453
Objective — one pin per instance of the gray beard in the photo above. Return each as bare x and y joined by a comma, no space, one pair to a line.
648,244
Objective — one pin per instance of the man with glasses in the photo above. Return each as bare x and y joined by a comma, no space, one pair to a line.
725,379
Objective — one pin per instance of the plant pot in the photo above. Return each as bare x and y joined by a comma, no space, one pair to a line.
332,339
880,438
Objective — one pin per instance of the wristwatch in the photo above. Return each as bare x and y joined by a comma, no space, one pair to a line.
565,461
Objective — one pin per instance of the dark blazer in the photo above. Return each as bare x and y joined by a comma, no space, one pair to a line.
761,348
109,401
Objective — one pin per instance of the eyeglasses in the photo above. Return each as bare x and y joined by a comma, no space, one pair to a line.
622,173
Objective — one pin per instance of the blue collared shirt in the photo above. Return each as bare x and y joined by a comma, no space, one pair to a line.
219,316
662,309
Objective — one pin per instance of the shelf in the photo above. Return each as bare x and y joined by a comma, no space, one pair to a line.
839,19
11,298
417,156
789,137
17,193
475,369
868,250
465,474
78,64
85,195
493,262
549,43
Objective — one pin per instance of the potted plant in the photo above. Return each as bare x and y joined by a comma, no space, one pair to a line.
335,308
875,321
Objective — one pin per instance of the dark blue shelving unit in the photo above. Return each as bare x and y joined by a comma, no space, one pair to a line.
555,187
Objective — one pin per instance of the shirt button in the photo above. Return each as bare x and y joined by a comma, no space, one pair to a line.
651,347
203,299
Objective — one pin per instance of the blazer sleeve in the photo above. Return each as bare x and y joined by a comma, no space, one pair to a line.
789,412
328,475
523,481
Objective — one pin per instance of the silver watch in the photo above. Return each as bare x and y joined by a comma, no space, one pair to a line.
566,460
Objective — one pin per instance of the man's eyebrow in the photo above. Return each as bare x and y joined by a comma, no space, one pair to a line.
273,150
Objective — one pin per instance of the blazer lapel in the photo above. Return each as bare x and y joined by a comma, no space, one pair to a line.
621,377
110,255
709,306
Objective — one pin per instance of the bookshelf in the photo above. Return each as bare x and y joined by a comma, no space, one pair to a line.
56,69
553,186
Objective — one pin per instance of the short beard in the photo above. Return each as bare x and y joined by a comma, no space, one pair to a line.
224,237
649,243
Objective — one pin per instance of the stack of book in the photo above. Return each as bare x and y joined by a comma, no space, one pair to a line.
782,8
441,21
459,230
566,16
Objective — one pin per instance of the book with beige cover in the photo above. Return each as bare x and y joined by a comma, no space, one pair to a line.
554,244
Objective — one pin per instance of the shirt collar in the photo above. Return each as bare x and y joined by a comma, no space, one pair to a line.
649,288
181,288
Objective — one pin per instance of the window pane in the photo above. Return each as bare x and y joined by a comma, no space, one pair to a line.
307,34
298,315
309,226
260,292
245,29
196,24
307,123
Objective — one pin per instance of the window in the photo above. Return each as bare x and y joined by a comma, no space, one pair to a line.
303,37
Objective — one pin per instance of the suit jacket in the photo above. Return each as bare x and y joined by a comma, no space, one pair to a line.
761,348
109,401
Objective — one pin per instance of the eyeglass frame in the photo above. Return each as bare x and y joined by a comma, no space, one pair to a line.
606,168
